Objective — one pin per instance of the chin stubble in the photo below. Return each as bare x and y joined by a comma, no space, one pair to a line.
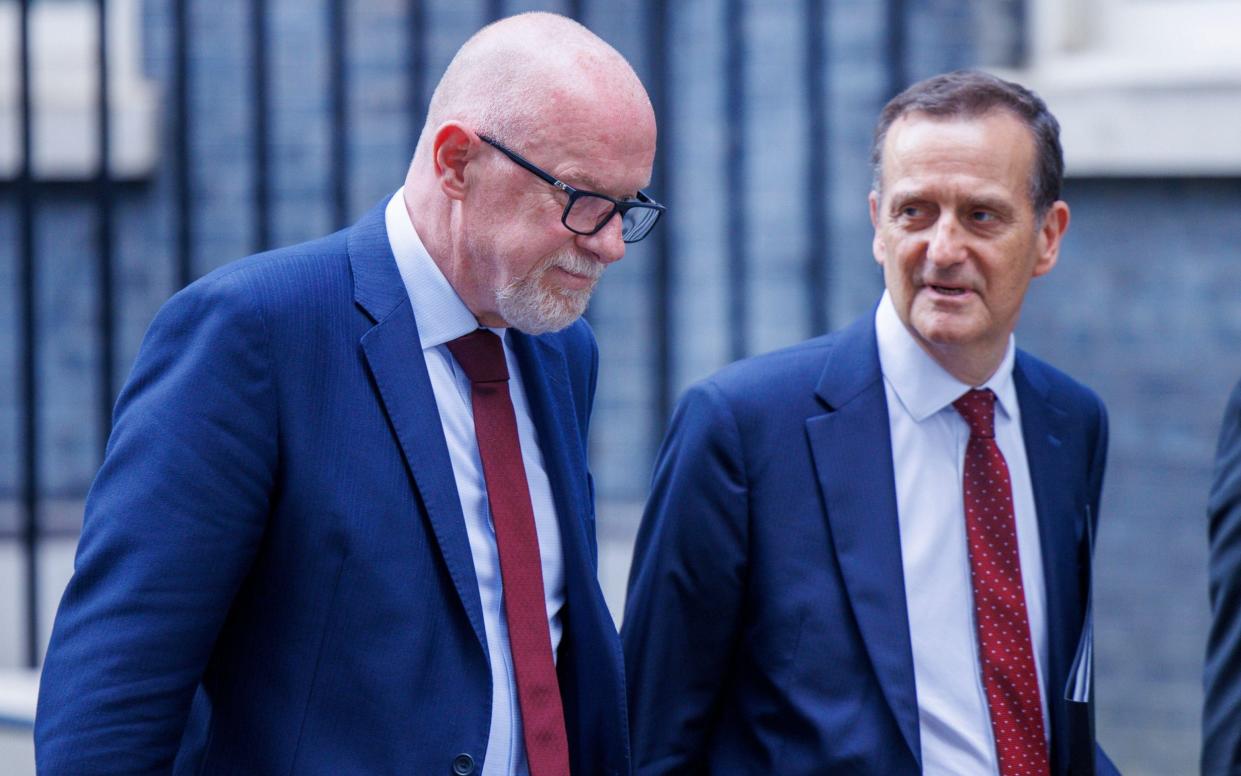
528,304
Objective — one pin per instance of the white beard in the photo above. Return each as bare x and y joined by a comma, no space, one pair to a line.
529,305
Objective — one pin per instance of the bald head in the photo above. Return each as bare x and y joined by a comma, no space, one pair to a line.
546,88
512,78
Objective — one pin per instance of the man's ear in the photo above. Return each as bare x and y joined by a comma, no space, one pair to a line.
876,243
452,149
1050,234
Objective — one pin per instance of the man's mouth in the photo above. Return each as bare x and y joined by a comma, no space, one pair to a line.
582,269
948,290
577,276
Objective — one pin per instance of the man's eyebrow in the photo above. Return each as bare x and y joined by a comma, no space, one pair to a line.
576,177
902,196
989,202
584,181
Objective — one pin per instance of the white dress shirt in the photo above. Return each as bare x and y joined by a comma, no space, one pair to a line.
442,317
928,451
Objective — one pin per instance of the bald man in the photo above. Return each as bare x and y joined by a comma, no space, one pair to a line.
344,524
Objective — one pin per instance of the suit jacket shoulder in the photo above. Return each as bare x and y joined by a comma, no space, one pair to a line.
782,372
793,383
1060,388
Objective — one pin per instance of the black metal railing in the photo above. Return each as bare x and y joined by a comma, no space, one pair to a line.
29,401
657,23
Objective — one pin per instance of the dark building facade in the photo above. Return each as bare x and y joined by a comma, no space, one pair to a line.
279,121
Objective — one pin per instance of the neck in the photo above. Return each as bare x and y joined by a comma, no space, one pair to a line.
971,365
432,217
428,223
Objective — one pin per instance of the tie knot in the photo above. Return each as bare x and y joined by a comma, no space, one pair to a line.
481,354
977,407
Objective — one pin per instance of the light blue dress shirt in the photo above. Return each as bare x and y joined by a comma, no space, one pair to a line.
441,318
928,453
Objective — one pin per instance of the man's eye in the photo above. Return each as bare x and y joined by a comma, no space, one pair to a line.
911,211
982,216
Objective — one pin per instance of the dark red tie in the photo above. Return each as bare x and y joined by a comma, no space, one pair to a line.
481,355
1004,644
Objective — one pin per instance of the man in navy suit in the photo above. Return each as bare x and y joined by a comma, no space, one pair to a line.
869,553
302,551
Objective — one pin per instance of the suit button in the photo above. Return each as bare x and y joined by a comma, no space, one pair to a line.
462,765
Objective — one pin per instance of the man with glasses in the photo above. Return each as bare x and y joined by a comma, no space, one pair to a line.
870,553
345,523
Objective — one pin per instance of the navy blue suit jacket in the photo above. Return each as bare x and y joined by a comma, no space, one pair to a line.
274,574
1221,713
766,628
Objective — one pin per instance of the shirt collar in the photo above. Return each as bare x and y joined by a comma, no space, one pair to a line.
438,310
920,383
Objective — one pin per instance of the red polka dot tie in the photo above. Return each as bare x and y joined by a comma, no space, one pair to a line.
1004,646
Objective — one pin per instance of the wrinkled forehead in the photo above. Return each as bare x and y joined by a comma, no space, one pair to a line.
995,147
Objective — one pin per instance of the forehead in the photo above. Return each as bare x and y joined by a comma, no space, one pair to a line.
994,151
603,148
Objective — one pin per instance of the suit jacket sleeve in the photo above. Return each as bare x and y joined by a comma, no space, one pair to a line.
1103,765
686,586
584,413
1098,463
1221,718
172,523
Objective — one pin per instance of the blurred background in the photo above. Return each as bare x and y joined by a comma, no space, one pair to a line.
235,125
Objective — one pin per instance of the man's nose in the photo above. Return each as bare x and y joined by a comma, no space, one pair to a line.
606,244
947,243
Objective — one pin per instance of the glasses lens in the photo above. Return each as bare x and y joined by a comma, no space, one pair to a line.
587,212
638,222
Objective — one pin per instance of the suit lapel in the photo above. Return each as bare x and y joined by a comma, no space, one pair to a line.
545,377
590,667
394,356
1045,430
852,449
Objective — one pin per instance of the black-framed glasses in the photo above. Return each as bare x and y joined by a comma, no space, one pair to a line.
587,212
